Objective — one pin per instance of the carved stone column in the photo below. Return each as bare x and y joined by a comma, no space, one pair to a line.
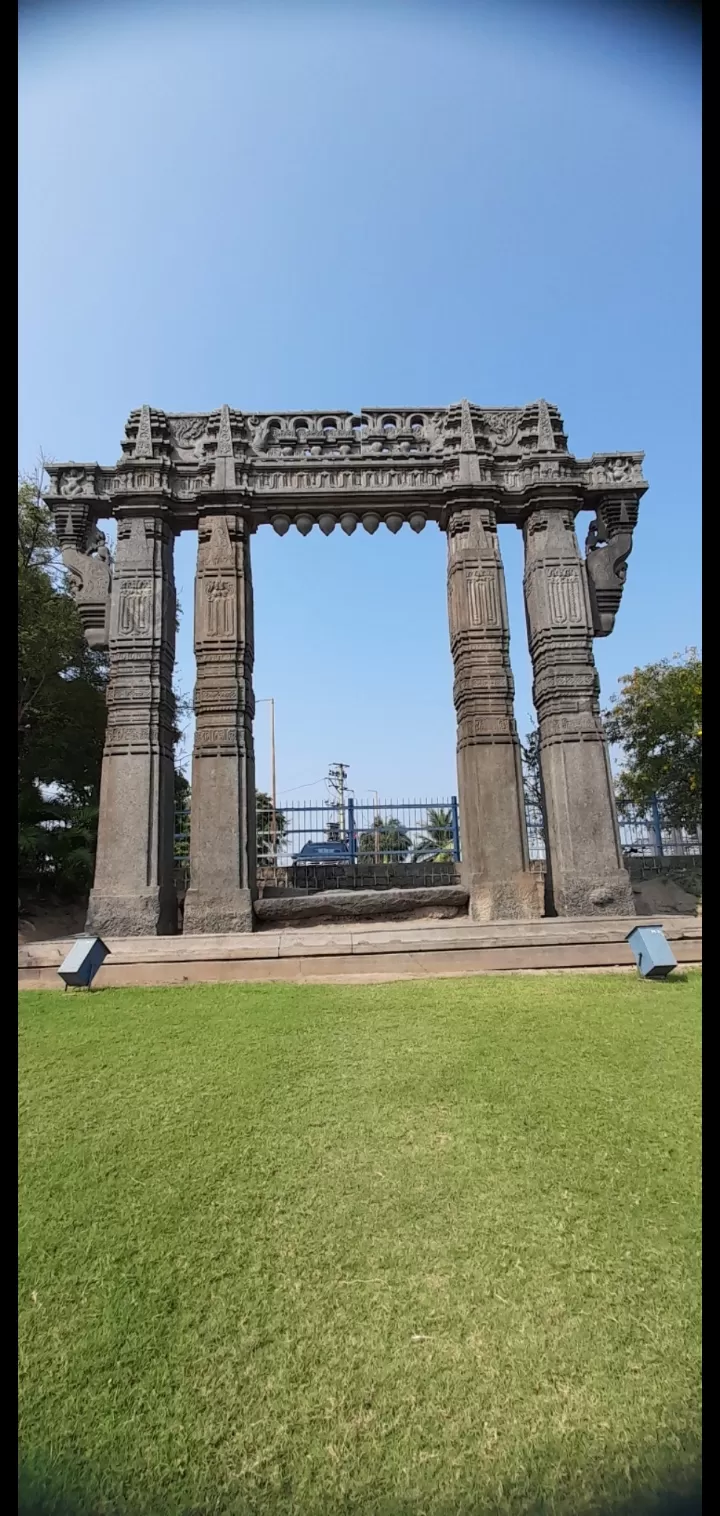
222,807
133,893
492,810
585,864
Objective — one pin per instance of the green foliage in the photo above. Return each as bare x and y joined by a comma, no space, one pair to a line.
657,720
437,844
386,842
61,715
531,770
182,819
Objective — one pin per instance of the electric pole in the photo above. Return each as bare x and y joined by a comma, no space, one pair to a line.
337,774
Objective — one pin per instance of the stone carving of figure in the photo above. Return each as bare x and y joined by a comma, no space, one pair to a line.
97,544
219,609
595,536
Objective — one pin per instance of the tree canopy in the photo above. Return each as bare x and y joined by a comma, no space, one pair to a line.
385,842
61,714
657,721
436,844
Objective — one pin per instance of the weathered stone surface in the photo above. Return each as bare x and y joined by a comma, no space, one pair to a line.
518,898
496,864
222,816
608,547
296,468
585,866
361,955
363,905
231,912
137,915
228,472
90,580
133,889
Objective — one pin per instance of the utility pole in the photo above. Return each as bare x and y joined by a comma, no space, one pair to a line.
337,774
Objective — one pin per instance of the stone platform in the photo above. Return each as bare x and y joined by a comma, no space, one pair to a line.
367,954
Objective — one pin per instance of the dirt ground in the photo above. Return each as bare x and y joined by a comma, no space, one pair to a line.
42,923
656,896
660,896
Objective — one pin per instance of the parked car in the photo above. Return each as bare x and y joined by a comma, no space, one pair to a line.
323,852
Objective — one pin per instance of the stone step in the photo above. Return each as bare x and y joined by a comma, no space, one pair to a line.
365,953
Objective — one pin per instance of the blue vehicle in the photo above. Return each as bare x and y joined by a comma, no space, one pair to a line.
323,852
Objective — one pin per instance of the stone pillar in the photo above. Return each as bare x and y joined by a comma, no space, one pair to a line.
133,892
490,788
222,805
585,865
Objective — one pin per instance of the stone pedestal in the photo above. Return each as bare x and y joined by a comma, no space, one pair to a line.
585,865
222,808
495,856
133,893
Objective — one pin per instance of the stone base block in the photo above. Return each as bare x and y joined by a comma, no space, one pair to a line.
441,902
203,913
150,913
516,898
597,895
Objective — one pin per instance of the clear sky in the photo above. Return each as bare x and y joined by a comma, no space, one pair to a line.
316,206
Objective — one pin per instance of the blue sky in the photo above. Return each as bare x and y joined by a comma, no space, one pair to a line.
314,206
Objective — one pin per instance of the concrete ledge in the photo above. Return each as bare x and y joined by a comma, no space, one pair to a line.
366,954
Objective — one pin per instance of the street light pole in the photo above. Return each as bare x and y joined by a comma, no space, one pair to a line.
273,785
273,824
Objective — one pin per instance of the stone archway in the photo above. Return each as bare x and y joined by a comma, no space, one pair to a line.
227,473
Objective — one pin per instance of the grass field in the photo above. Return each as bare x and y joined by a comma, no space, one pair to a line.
415,1249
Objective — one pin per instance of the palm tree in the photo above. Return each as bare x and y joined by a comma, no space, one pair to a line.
436,846
385,843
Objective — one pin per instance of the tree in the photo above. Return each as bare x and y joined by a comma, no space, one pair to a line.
657,721
436,846
61,713
531,770
532,784
182,820
386,843
266,852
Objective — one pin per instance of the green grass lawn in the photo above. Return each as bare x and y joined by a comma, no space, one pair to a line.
416,1249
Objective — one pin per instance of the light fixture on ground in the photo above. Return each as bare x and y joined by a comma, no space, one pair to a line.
79,968
651,951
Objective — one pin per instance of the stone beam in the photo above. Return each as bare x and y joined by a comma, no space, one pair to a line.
376,467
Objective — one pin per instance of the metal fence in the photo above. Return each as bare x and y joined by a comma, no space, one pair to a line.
389,833
649,837
361,832
640,836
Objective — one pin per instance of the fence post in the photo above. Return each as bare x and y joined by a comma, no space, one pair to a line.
351,827
657,823
455,828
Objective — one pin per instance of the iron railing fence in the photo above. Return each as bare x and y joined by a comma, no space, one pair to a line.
391,833
641,835
360,832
